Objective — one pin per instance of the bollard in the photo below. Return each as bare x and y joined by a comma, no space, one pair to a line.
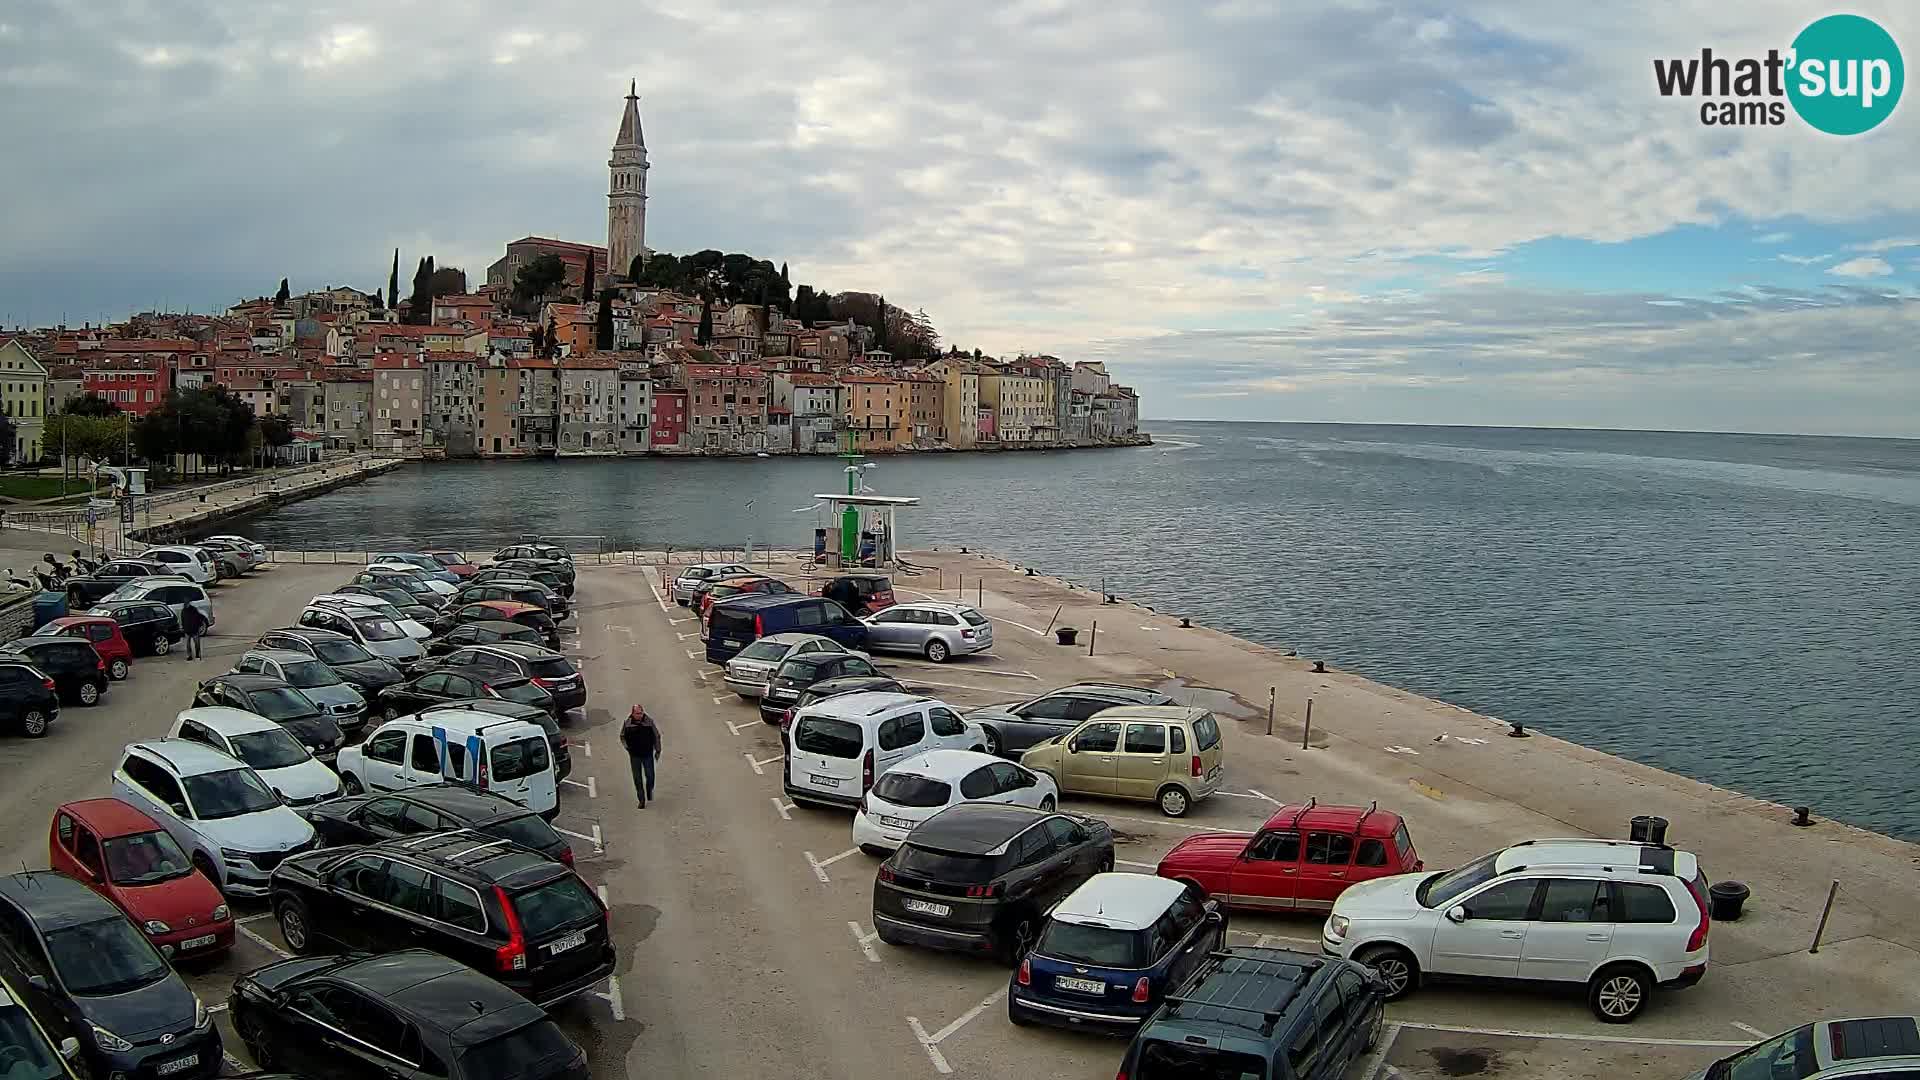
1306,732
1056,615
1092,636
1820,931
1186,624
980,594
1270,693
960,586
1319,667
1803,816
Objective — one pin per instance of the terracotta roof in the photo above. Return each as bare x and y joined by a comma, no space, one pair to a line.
808,378
867,380
395,361
562,245
590,362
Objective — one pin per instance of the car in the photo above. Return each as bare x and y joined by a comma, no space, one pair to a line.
1270,1013
422,591
1168,755
319,682
271,751
258,550
691,576
522,918
548,579
233,557
712,592
372,631
743,620
1868,1048
1617,917
188,561
404,604
1304,857
787,684
27,1045
535,549
925,784
544,667
175,592
412,1015
560,568
862,594
126,857
831,688
931,629
29,700
504,754
1111,950
521,591
502,611
556,738
81,968
265,696
980,877
431,808
361,603
99,631
748,673
78,672
1015,727
441,687
413,574
349,659
85,591
840,746
149,626
454,561
484,633
230,824
426,564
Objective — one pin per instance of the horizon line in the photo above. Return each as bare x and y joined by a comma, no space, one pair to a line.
1543,427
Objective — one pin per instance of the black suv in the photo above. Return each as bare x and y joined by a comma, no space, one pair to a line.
28,700
547,669
482,633
407,1015
1267,1013
797,673
523,571
77,671
369,819
359,668
520,592
441,687
979,877
527,920
264,695
150,626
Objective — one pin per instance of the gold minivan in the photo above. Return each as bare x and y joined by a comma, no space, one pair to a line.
1165,754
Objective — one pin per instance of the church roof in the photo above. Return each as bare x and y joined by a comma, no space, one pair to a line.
630,133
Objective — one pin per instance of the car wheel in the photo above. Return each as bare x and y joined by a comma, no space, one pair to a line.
254,1034
1047,804
295,927
351,785
993,741
1618,994
1374,1032
34,723
389,713
89,693
162,644
1173,801
117,669
1394,965
1106,864
937,651
1019,939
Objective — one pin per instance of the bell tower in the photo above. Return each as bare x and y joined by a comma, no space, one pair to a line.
627,191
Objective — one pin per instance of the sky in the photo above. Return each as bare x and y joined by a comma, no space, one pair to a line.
1462,213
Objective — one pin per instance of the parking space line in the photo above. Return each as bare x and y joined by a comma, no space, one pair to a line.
691,655
593,789
612,994
783,807
1750,1029
253,918
820,865
233,1063
1263,795
926,1043
757,763
1130,862
1163,821
1567,1036
958,669
594,839
735,728
931,1043
912,682
684,637
586,747
1378,1057
721,699
263,942
865,941
703,675
1021,625
657,598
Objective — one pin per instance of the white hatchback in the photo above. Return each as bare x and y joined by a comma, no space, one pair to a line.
286,766
923,785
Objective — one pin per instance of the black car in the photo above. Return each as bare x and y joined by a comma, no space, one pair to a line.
439,687
264,695
946,888
410,1015
533,714
521,591
1017,726
150,626
406,603
491,611
484,633
797,674
430,808
356,666
523,571
85,591
85,972
1262,1012
547,669
414,585
77,671
527,920
29,703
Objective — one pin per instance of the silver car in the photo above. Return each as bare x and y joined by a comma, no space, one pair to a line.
691,577
932,629
1876,1048
335,696
750,669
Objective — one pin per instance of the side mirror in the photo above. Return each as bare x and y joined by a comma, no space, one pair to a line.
40,983
1213,913
69,1048
1457,914
179,808
96,876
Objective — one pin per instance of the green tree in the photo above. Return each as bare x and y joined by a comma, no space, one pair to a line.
553,335
7,436
603,323
275,432
880,323
90,404
280,298
586,283
535,280
156,437
705,334
393,281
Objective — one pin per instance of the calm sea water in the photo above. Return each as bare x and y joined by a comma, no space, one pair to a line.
1737,608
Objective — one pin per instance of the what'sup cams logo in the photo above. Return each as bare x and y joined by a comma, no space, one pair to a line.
1842,75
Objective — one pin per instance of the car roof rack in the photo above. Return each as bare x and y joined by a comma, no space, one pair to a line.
1242,996
1312,801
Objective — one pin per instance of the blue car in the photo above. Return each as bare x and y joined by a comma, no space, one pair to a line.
1112,950
739,621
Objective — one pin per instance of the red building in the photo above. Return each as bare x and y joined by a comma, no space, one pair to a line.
135,389
669,419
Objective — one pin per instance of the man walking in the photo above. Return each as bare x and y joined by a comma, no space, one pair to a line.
195,624
642,740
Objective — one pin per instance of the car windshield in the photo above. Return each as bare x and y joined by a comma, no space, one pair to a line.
340,652
274,748
450,558
1177,1061
379,628
552,667
228,793
280,703
765,650
146,858
564,901
1094,946
1783,1057
827,736
521,691
528,830
21,1045
106,957
907,789
803,668
531,1051
307,673
1442,889
948,866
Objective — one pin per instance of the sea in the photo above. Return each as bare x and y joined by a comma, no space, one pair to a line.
1743,609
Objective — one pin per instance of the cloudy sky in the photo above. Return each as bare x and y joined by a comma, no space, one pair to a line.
1454,213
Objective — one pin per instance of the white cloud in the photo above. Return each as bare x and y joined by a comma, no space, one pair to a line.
1773,238
1865,266
1887,244
1802,260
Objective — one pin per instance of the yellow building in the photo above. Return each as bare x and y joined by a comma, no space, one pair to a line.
959,425
1022,405
876,412
23,399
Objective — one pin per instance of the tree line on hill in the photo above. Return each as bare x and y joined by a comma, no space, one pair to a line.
211,424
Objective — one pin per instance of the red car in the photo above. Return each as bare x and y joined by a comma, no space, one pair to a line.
129,859
103,632
456,563
1300,860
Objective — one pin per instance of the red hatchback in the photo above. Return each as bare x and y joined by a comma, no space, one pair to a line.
103,632
125,856
1300,860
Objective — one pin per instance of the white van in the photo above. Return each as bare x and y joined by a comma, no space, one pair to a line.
505,756
838,746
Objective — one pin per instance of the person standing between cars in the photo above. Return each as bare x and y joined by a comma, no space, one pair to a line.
195,624
642,739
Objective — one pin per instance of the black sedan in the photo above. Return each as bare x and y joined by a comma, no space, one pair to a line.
443,687
368,819
403,601
76,669
150,627
264,695
82,591
492,632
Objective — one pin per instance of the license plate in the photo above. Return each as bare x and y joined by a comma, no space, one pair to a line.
824,781
1084,986
199,943
571,941
926,907
896,823
729,643
178,1065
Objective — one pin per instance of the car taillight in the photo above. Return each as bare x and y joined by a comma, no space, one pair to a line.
1026,972
966,633
1196,764
566,855
480,769
513,955
759,627
1698,939
886,872
983,892
46,684
786,720
102,664
866,772
1140,991
542,683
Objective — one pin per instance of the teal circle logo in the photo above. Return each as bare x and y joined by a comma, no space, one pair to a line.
1845,74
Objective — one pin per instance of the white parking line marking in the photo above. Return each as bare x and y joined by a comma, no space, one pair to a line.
681,622
1268,941
865,941
218,1007
1163,821
657,598
820,865
1378,1058
757,763
593,838
1241,795
931,1043
784,807
927,1044
703,675
1263,795
1023,626
264,943
721,699
593,792
691,655
1401,750
961,667
1130,862
735,728
253,918
684,637
1566,1036
910,681
1750,1029
587,748
612,995
233,1063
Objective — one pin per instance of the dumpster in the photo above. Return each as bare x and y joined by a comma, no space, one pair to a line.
48,606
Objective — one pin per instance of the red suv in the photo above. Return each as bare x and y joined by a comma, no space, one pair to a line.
1300,860
125,856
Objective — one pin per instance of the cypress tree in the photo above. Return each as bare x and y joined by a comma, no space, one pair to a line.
393,281
603,323
553,336
880,331
281,297
586,288
705,334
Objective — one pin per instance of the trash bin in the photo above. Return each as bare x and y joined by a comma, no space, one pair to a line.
1649,830
1727,899
48,606
1065,635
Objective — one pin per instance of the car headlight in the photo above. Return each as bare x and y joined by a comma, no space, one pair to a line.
231,855
155,926
221,913
108,1041
199,1012
1337,928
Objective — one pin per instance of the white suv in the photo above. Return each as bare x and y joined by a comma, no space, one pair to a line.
216,807
1618,916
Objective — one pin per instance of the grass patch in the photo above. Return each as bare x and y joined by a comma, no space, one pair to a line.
27,486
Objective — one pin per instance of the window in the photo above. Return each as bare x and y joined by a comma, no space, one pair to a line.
1032,848
1789,1056
408,888
1275,847
419,819
1047,708
1644,903
426,755
1065,833
520,758
979,784
365,875
902,731
1008,777
387,746
87,849
1206,732
1507,900
352,1015
1304,1047
1179,739
946,722
385,813
1569,900
1146,738
1329,848
1096,739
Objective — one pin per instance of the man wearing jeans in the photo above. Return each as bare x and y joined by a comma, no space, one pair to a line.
642,740
195,624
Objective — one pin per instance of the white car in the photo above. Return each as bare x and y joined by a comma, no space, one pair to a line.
507,756
375,632
1618,916
271,750
192,563
690,578
752,668
175,592
233,827
259,550
840,746
360,603
238,552
923,785
439,586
